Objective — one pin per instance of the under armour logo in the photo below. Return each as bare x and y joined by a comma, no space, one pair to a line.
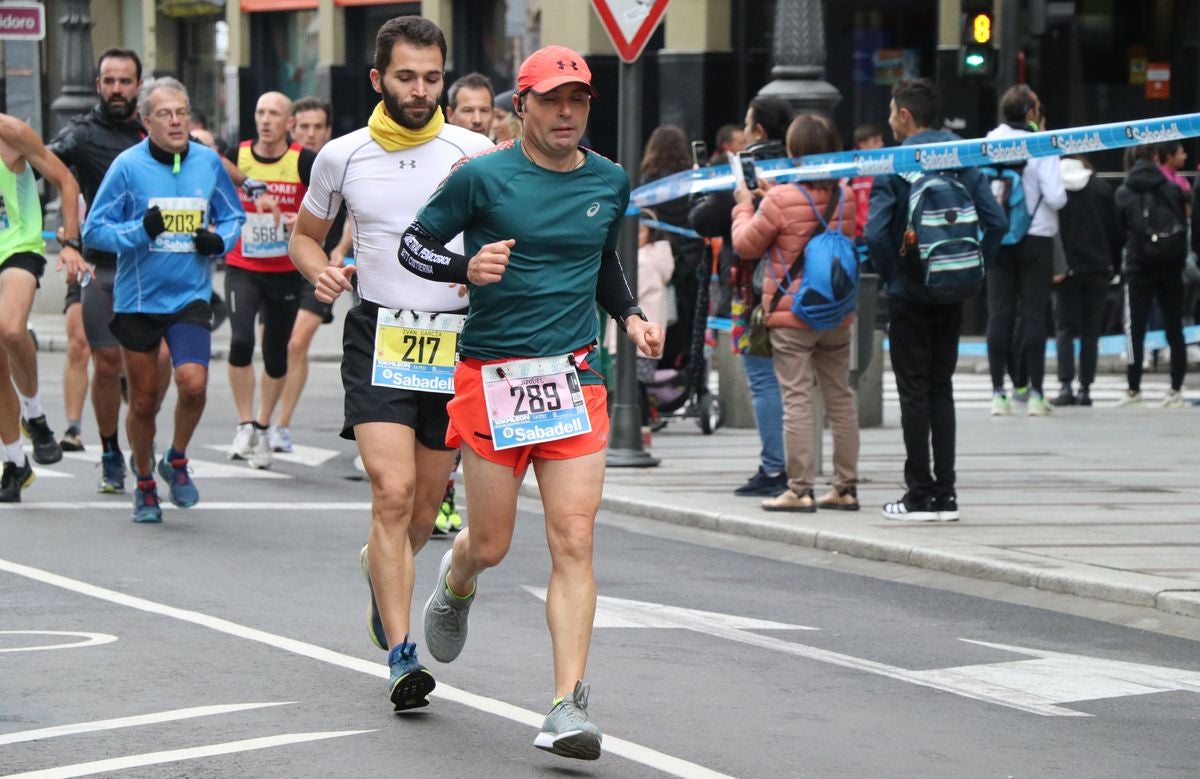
563,65
407,164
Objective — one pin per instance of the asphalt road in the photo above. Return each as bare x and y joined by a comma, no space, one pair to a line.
231,641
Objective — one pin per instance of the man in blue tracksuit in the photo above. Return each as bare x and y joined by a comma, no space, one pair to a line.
167,209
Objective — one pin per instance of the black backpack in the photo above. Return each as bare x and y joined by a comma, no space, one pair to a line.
1157,230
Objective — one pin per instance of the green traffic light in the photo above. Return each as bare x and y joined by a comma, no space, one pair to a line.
975,60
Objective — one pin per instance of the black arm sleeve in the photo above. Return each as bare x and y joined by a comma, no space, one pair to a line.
425,255
304,165
612,289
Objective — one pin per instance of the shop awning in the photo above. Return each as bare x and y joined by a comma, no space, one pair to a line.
252,6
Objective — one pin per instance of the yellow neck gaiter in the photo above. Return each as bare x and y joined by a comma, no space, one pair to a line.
394,137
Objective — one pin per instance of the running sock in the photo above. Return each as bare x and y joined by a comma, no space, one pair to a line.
75,424
454,594
31,408
174,454
557,701
13,453
110,443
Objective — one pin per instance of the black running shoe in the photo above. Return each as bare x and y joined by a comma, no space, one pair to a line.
16,478
72,441
45,449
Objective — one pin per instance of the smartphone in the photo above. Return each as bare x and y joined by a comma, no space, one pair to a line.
699,153
749,174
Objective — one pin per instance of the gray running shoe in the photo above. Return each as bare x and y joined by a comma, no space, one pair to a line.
567,732
374,621
446,617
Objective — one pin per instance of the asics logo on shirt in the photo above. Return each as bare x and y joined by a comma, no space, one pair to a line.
593,209
407,164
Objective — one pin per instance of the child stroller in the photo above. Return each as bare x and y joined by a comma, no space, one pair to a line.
680,388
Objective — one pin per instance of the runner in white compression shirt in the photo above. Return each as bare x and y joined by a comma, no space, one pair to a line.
383,191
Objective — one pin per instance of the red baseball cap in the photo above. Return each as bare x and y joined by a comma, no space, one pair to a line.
553,66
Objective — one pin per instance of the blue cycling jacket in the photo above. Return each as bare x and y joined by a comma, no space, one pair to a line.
164,275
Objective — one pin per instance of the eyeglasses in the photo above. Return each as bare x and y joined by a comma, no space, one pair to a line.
164,114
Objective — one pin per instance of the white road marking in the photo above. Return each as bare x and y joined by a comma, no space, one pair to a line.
122,503
201,469
131,722
1058,677
1034,686
42,472
312,456
631,751
176,755
89,639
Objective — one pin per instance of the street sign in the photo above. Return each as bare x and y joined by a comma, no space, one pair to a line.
629,23
22,21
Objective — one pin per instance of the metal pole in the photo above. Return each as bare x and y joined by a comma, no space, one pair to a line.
78,93
625,438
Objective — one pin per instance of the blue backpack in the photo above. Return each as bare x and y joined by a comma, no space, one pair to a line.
829,287
941,245
1008,187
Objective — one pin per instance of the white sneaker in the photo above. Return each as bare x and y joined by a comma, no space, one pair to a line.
1039,406
243,442
260,456
1001,406
1173,399
1130,399
280,439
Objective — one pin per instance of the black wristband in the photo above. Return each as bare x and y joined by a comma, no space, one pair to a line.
631,311
74,243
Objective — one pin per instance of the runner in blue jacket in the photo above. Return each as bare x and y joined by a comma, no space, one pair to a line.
167,209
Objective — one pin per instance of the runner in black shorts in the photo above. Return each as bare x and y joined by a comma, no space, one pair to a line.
259,277
311,126
22,263
75,369
395,408
88,145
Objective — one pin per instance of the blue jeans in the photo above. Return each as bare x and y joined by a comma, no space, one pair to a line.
768,410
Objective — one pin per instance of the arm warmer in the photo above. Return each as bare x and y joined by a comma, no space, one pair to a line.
612,289
428,257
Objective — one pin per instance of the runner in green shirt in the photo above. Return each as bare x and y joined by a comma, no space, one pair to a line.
540,219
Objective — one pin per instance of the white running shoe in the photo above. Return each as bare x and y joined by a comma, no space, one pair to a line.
260,456
280,439
243,442
1129,399
1173,399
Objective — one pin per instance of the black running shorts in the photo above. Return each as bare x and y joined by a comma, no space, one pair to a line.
424,412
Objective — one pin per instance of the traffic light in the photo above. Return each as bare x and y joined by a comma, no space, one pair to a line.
976,56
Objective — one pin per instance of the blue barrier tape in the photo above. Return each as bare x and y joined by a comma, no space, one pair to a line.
1109,345
930,156
669,228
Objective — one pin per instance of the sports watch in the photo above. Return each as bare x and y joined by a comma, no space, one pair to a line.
631,311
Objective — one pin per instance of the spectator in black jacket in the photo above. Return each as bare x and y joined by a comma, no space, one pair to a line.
767,121
1152,216
1092,241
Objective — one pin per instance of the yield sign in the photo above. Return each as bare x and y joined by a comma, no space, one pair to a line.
629,23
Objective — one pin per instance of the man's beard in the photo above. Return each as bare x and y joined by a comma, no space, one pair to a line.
118,112
395,110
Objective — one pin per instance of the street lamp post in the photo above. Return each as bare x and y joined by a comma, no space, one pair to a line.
798,50
78,93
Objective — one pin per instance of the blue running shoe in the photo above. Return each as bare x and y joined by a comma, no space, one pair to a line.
374,621
112,473
145,502
175,473
410,682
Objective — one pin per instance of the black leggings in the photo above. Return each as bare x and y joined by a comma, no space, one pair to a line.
1020,275
277,296
1142,287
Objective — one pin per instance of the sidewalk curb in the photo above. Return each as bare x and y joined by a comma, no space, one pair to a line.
1020,569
